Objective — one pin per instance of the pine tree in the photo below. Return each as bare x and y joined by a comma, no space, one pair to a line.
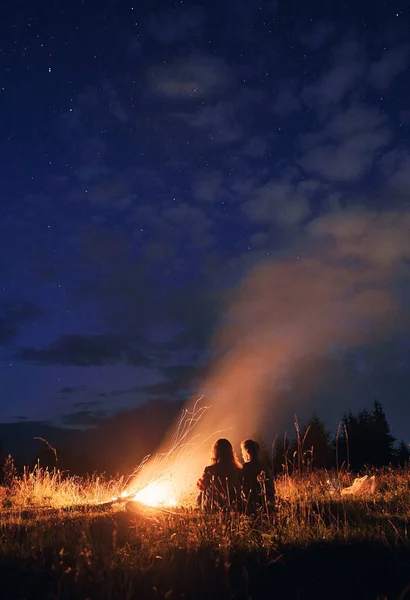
402,454
382,440
316,444
366,439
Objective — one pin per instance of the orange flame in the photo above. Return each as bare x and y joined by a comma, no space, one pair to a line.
157,493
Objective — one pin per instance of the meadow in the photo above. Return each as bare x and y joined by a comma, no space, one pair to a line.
55,544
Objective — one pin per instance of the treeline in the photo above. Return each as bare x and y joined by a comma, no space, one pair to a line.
361,440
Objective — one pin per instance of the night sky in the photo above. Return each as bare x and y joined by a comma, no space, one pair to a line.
153,152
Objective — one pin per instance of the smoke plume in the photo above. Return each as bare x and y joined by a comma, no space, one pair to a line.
341,292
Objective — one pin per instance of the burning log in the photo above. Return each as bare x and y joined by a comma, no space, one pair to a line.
139,509
119,500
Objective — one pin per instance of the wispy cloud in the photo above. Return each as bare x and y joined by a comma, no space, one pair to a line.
280,202
85,418
393,62
346,148
347,68
84,351
194,77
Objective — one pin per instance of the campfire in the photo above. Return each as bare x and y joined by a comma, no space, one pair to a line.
157,493
153,481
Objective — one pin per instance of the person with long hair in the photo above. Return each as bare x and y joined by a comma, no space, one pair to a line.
221,480
257,479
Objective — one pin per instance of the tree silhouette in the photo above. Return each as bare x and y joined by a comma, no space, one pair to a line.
402,454
366,439
316,444
382,440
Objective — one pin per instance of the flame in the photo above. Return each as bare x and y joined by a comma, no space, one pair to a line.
157,493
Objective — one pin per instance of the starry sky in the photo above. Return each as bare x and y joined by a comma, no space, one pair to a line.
153,152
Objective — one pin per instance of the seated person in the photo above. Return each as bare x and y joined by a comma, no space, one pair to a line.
221,480
257,479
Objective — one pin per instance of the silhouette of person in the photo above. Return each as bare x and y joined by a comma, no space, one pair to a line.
221,480
257,479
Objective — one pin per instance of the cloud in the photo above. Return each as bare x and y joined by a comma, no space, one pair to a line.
279,202
259,239
379,238
99,103
197,76
84,418
111,190
70,389
166,388
346,148
348,160
116,393
87,404
357,118
392,63
223,122
396,167
190,222
255,147
14,315
208,187
169,27
218,121
346,72
85,351
182,375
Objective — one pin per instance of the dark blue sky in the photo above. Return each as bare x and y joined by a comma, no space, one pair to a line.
153,152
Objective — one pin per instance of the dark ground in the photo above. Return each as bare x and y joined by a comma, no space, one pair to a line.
68,566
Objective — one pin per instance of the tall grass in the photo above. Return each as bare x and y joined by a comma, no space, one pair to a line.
118,555
42,487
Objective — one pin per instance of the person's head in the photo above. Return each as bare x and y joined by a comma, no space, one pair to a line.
250,450
222,452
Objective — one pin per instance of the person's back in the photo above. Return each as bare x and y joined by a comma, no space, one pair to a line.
257,479
221,481
255,485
